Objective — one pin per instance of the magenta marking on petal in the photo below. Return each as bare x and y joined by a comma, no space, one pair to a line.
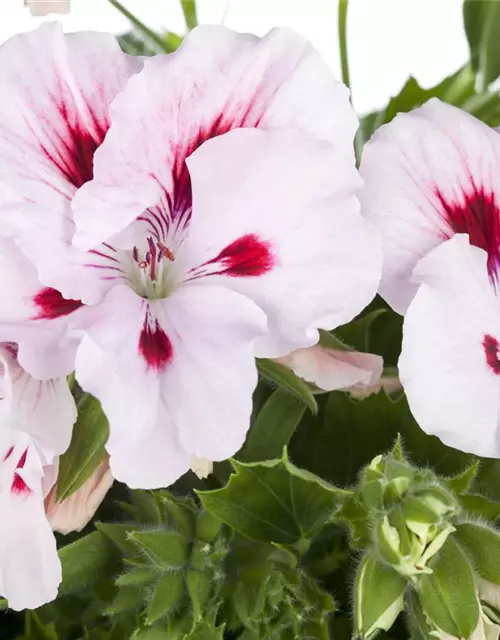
477,215
246,256
492,352
73,152
19,487
155,346
51,304
8,454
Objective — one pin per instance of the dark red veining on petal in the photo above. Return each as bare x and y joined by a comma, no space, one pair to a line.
52,305
492,351
478,215
154,345
233,115
19,487
246,256
8,454
73,145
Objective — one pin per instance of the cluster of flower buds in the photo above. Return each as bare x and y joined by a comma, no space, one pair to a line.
183,568
415,514
427,557
175,565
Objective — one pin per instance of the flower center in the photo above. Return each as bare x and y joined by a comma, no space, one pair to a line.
152,272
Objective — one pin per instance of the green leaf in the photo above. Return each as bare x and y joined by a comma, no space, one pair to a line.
166,596
456,89
480,506
356,334
207,527
189,11
86,451
166,549
448,595
273,428
482,544
35,629
87,561
378,596
348,434
284,378
206,632
482,26
354,514
146,508
462,482
412,95
273,501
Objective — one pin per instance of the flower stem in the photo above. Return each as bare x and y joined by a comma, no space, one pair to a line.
163,42
344,57
344,66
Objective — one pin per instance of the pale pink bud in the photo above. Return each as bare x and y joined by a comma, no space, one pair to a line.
43,7
332,369
76,511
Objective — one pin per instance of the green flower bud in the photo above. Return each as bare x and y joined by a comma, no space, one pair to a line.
438,500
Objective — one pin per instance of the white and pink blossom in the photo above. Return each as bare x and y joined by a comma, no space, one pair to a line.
212,218
60,88
433,190
36,420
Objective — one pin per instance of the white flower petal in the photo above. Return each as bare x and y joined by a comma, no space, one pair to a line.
448,364
217,81
30,570
278,215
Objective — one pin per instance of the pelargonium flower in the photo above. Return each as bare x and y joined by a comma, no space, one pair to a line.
36,419
221,224
57,114
433,190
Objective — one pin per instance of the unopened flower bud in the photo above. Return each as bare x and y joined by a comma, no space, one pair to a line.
331,369
76,511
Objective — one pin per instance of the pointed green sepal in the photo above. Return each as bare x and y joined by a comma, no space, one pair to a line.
166,549
378,596
448,595
166,596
